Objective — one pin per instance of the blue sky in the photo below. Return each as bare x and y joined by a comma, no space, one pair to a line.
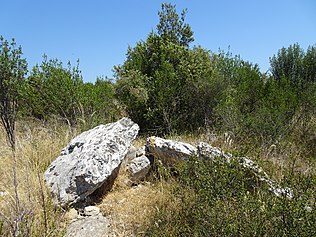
98,32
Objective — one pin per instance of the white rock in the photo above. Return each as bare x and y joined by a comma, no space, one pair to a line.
308,209
207,151
169,151
138,168
96,226
90,160
279,191
91,211
141,151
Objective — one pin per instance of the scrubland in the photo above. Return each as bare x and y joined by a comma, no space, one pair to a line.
175,90
203,199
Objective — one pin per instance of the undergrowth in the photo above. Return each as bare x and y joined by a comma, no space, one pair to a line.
220,199
197,198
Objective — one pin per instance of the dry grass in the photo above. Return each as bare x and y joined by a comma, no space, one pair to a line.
130,209
37,145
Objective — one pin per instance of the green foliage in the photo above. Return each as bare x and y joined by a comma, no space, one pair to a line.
237,107
289,101
173,29
268,109
12,71
295,65
53,90
97,103
159,80
131,91
168,87
309,63
288,63
221,199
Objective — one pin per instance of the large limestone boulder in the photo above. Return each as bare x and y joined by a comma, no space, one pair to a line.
90,161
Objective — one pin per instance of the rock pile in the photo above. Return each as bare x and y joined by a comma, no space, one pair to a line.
92,160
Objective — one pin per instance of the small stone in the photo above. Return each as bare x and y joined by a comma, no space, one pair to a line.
72,214
96,226
141,151
138,168
91,211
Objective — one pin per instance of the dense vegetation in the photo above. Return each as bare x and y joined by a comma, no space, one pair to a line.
221,199
169,87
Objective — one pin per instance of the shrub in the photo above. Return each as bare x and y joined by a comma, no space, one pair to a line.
220,199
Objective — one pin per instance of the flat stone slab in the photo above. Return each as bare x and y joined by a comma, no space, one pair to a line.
169,151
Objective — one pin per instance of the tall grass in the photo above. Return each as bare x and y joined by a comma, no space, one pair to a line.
37,144
204,199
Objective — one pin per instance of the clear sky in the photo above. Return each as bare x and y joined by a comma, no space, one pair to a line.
98,32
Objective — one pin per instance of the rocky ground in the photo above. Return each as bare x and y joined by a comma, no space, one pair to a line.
100,176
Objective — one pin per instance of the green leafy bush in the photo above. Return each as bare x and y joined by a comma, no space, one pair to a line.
97,103
220,199
164,85
53,90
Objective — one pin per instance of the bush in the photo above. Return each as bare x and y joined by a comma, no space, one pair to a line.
97,104
220,199
53,90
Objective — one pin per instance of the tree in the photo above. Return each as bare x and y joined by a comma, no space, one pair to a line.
288,107
295,65
309,64
242,91
97,103
53,89
12,71
152,80
172,28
